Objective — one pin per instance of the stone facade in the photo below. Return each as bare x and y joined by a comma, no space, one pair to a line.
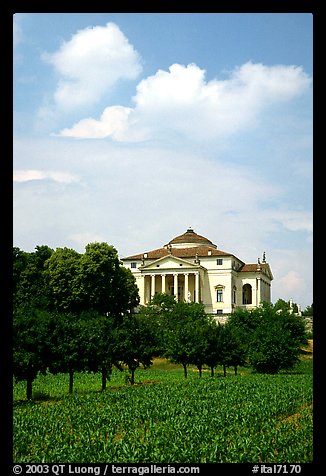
193,269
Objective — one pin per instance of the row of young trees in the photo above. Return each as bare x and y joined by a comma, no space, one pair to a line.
63,300
267,338
73,312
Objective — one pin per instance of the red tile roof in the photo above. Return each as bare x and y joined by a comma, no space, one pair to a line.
200,251
253,268
249,268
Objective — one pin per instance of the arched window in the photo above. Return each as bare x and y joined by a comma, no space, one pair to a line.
246,294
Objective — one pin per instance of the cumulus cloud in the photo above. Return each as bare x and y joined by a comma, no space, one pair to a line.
181,100
91,63
114,122
29,175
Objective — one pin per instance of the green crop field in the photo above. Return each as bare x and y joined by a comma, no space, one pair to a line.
165,418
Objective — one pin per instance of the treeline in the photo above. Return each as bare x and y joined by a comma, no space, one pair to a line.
74,312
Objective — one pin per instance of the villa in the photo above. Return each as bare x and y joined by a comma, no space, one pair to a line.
193,269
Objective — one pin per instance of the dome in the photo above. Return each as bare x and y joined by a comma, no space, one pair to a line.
189,239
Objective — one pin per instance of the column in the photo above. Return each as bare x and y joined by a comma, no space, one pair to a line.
186,286
197,286
147,288
258,292
175,286
153,286
142,290
163,282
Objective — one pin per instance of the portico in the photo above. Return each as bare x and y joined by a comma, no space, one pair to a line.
164,275
184,286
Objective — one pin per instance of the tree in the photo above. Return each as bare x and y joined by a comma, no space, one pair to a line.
272,336
31,330
20,262
67,346
30,285
185,342
101,347
157,313
103,284
232,350
137,342
213,351
62,272
93,281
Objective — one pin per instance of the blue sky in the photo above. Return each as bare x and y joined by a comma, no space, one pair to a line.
131,127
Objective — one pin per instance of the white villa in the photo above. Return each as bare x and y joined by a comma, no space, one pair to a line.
192,268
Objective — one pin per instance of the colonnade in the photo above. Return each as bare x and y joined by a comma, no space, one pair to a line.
184,286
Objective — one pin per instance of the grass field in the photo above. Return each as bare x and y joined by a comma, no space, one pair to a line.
165,418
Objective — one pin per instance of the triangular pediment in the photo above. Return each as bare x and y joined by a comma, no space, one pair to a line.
268,271
170,262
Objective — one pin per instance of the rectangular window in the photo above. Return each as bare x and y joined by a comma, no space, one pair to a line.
219,295
133,265
219,261
219,311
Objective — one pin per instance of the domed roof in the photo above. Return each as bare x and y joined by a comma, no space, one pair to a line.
188,239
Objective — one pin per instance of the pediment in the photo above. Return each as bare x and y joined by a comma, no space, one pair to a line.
170,262
268,272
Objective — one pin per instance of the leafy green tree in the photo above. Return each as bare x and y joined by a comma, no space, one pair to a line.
272,336
184,340
93,281
19,264
202,329
232,351
244,322
213,350
67,349
101,347
157,311
137,342
31,330
62,270
30,285
104,285
128,290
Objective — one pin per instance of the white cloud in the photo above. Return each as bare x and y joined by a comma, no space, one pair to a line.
17,31
29,175
182,101
91,63
114,122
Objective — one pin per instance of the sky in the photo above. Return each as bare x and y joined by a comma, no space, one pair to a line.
130,128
